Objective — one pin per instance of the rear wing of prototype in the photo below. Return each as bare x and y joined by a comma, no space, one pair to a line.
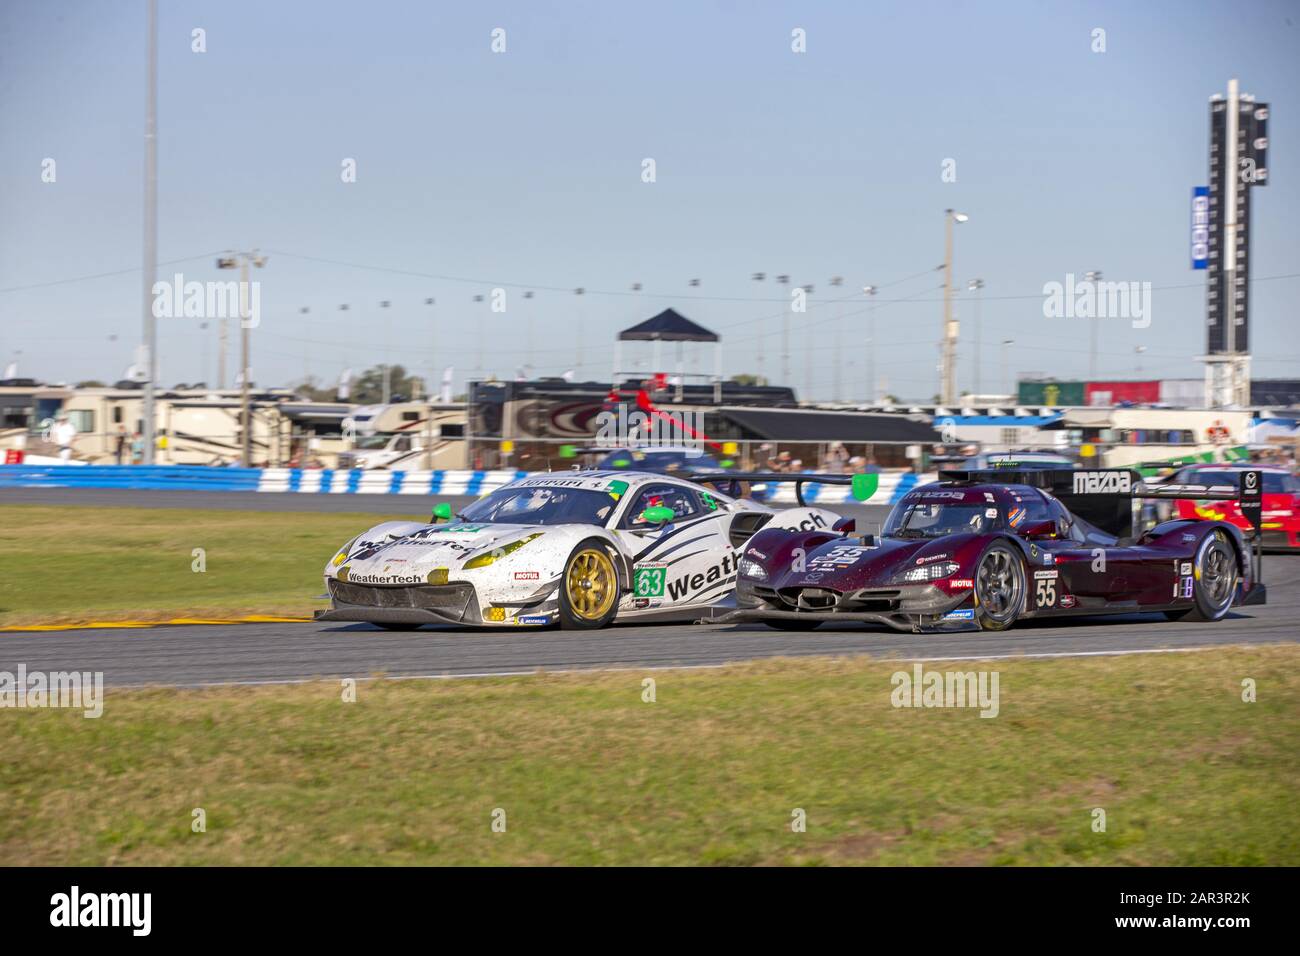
1109,481
1108,493
862,486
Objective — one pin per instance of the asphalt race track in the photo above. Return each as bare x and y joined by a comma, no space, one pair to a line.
214,654
271,653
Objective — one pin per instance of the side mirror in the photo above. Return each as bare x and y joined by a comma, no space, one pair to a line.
864,486
658,514
441,512
1034,530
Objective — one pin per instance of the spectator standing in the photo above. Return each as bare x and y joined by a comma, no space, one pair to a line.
837,457
64,433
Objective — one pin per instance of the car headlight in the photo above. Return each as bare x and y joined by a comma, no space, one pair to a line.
931,572
751,569
483,560
343,553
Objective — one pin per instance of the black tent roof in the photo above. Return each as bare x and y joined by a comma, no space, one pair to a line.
801,425
668,326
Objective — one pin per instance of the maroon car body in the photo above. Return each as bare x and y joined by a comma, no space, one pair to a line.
986,551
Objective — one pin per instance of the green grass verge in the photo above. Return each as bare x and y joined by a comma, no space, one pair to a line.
587,773
71,564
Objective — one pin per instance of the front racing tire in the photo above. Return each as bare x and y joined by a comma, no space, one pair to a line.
589,590
999,587
1214,581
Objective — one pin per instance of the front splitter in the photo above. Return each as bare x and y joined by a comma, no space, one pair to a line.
388,615
857,617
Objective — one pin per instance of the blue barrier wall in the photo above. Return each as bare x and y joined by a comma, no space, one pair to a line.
892,487
130,476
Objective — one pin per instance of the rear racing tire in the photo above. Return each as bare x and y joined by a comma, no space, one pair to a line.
589,588
1214,580
999,586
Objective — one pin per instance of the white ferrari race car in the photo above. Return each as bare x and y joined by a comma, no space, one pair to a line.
580,549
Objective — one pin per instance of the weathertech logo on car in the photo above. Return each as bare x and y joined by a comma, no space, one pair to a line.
812,522
1102,482
383,578
681,587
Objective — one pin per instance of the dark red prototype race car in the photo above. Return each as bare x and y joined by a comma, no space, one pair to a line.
987,549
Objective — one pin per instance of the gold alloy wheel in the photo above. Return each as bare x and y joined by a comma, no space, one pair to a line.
590,584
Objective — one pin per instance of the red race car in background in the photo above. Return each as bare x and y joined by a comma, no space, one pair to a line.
987,549
1281,508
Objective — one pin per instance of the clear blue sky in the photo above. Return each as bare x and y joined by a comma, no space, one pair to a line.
525,168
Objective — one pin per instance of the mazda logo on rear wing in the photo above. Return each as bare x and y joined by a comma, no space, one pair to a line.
1103,482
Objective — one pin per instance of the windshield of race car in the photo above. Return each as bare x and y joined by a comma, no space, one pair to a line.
935,518
541,506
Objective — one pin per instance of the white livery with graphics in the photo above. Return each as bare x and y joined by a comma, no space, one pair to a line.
580,549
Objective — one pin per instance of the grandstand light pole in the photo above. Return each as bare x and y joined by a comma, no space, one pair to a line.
306,348
577,368
1092,331
203,354
431,396
221,352
948,374
975,285
150,236
785,335
836,282
433,357
760,277
433,364
1006,346
478,354
870,291
241,261
807,351
388,366
528,363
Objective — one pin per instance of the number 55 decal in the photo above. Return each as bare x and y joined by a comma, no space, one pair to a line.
1045,591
